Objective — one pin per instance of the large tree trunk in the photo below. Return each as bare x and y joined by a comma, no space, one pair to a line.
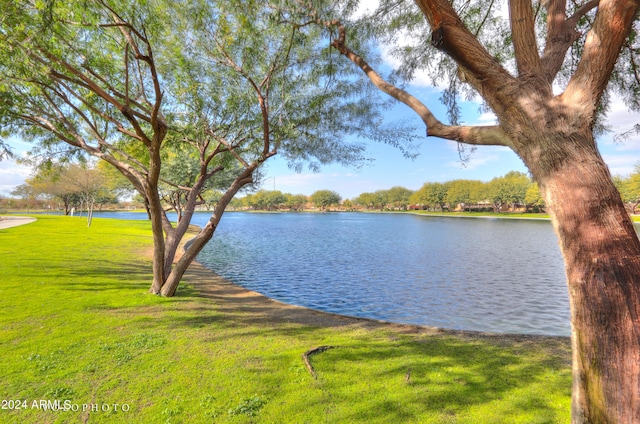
602,257
195,247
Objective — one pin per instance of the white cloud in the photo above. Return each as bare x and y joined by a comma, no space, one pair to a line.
487,118
630,144
622,165
622,156
421,78
12,175
478,159
621,119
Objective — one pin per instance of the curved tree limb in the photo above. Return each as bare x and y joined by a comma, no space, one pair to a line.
476,135
450,35
308,353
561,34
602,46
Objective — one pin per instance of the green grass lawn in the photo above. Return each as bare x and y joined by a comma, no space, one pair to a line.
78,325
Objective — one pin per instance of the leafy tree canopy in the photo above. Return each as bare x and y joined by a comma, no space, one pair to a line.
325,198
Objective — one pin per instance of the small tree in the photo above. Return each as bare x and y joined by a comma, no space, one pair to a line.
398,197
67,184
267,199
212,197
30,197
630,189
296,202
216,88
367,200
509,189
463,192
324,198
88,183
432,194
533,197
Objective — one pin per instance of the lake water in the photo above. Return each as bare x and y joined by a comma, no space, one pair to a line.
494,275
475,274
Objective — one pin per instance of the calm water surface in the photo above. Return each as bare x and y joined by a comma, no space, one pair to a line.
493,275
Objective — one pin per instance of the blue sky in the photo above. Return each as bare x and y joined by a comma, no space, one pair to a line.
438,159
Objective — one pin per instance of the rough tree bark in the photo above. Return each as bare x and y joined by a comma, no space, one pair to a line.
602,259
553,136
197,243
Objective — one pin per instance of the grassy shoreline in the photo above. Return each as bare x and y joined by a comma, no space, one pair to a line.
78,325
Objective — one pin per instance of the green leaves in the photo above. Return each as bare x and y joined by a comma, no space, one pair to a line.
246,71
325,198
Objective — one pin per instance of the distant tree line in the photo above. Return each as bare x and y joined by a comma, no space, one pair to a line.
78,186
512,191
515,190
273,200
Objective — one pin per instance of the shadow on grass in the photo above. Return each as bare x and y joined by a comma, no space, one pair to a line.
417,370
446,375
91,275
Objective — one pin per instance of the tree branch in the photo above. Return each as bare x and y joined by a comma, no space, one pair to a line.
581,11
561,34
307,355
38,118
44,123
232,150
107,118
86,82
485,135
68,126
263,101
610,29
524,37
451,36
157,121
